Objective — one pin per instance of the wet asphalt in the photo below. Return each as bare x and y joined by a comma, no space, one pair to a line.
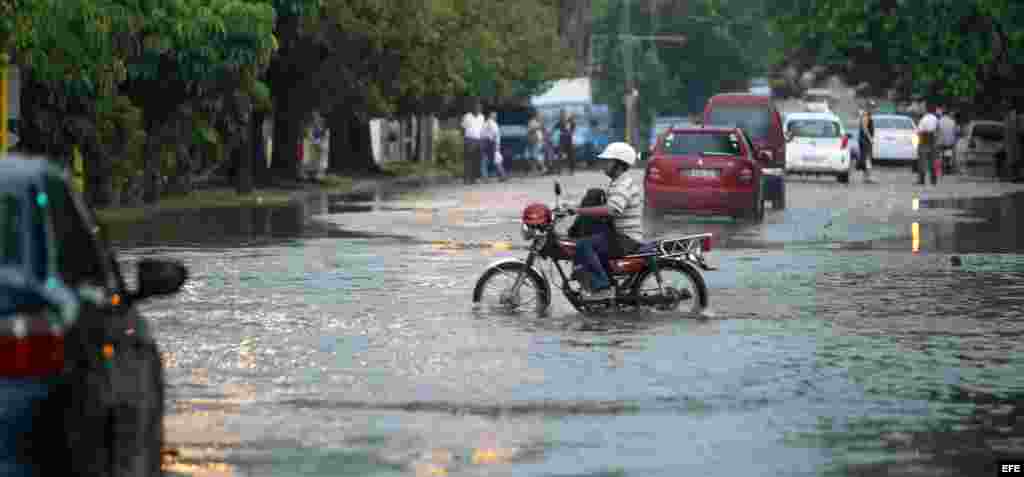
336,337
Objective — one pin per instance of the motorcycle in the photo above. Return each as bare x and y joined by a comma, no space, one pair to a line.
641,280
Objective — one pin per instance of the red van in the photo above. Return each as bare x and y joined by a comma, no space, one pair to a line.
760,119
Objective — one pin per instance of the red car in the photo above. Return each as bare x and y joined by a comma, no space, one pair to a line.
705,171
760,119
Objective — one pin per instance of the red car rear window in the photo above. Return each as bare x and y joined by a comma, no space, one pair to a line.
756,121
701,143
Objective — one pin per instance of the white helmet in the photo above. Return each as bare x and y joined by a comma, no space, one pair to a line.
620,151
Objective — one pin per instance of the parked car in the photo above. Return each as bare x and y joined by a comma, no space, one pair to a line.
980,142
705,171
818,145
81,381
895,138
761,121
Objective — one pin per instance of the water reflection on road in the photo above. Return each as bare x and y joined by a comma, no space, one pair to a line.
325,352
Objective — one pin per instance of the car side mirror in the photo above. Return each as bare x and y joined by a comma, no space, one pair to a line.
789,136
764,156
159,277
971,144
558,189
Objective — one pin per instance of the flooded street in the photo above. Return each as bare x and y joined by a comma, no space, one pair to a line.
337,338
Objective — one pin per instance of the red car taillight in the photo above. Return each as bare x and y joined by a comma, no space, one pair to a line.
846,140
30,346
705,244
746,175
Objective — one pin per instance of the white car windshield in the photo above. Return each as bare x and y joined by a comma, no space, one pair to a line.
820,128
893,123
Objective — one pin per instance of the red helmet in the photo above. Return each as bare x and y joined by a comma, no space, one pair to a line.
536,214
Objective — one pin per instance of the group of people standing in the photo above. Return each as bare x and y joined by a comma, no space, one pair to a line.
482,145
937,133
539,142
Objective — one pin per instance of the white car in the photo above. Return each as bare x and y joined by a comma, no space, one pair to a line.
895,138
980,142
817,145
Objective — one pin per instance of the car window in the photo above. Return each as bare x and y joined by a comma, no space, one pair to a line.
893,123
757,122
701,143
989,132
78,259
814,128
10,217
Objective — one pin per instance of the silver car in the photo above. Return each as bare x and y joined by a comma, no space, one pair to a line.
895,138
980,142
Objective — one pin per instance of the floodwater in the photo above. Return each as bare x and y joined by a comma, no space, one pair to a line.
302,348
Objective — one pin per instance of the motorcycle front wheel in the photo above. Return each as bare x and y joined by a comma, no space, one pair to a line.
493,290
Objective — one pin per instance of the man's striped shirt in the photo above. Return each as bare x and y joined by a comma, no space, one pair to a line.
625,202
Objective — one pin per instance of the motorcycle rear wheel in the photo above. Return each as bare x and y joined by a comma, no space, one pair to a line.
694,284
498,296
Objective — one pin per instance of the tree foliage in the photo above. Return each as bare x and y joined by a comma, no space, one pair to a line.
725,45
945,49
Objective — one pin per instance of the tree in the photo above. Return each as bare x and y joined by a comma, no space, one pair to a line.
101,60
405,57
908,48
677,79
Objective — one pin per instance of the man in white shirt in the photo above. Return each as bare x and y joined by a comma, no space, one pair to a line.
947,137
927,146
624,205
472,130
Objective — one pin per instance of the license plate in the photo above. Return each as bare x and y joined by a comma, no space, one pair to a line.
813,158
701,172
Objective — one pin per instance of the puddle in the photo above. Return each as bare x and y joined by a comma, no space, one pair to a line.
214,226
999,230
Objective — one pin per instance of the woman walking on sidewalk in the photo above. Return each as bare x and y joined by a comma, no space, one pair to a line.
866,141
492,137
536,139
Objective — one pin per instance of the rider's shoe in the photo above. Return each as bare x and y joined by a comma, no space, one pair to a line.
598,295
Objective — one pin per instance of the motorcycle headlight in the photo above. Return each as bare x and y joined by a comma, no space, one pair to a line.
528,232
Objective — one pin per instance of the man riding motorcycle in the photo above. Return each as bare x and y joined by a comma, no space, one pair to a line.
625,207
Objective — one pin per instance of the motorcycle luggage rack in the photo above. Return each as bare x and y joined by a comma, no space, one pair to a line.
681,245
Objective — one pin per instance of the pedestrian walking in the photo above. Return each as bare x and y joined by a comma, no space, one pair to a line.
927,146
947,140
472,128
566,130
866,142
535,138
492,148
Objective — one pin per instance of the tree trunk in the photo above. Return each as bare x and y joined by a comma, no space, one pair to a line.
182,157
355,155
244,181
287,134
339,123
256,153
99,173
151,165
425,138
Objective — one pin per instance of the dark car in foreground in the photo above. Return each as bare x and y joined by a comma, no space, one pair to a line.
81,380
705,171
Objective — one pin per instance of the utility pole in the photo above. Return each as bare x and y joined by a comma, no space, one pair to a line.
627,56
4,60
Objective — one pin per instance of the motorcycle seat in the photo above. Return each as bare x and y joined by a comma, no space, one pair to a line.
645,249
